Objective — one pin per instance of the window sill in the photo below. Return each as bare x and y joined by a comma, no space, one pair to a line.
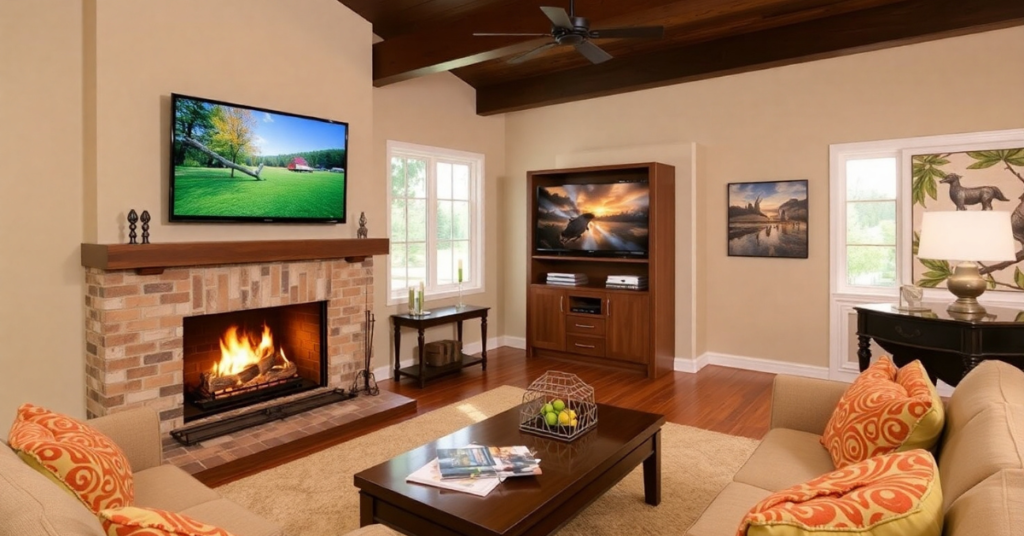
436,296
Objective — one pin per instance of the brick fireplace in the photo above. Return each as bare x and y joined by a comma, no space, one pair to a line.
135,321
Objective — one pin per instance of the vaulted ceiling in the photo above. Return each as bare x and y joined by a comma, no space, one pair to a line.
702,39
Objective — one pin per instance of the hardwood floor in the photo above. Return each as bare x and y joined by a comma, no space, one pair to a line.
731,401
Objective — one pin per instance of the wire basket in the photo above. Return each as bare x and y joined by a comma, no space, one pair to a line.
568,397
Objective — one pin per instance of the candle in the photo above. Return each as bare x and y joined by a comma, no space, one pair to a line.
460,270
412,299
419,306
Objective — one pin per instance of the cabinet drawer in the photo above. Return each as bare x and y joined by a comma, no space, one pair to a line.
592,346
585,325
912,332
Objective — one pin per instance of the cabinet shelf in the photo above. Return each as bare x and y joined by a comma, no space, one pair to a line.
612,260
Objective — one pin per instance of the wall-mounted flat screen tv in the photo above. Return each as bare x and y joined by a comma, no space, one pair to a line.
601,219
235,163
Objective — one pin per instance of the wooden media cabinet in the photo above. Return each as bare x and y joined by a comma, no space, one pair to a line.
630,329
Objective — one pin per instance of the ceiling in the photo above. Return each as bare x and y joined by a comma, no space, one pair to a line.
702,39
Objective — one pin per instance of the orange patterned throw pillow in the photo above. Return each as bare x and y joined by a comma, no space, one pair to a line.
885,410
895,494
87,463
132,521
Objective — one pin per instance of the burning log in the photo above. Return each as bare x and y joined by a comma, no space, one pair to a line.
251,375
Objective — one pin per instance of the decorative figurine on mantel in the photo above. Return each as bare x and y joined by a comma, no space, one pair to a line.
145,226
362,232
132,219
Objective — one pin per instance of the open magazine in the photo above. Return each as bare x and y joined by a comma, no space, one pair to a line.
476,469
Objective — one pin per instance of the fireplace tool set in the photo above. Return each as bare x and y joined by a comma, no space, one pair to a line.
364,380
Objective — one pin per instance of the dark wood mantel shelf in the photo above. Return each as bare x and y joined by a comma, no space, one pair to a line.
154,258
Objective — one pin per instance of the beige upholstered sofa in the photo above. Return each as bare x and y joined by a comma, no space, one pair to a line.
980,455
31,504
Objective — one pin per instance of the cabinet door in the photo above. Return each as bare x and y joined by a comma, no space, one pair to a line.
628,326
547,318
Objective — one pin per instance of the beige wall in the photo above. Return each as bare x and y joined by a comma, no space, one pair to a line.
41,331
771,125
84,98
440,111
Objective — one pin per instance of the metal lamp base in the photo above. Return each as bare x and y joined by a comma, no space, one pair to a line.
966,284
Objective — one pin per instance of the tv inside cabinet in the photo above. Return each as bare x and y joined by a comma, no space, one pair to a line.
630,329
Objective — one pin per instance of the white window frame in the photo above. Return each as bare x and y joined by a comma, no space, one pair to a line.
474,281
843,296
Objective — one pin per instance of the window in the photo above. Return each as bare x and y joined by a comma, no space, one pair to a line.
436,221
867,221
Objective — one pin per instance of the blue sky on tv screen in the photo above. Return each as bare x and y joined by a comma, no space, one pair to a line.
284,134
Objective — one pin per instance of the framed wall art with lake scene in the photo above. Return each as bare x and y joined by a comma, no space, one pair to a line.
768,219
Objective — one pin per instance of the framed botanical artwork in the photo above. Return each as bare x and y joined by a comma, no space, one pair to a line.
987,175
768,219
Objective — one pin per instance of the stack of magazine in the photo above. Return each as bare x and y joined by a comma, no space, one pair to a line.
476,469
568,279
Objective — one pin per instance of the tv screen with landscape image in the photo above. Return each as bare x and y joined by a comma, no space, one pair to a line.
237,163
601,219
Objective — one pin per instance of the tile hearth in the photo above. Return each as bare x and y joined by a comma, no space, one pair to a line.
251,441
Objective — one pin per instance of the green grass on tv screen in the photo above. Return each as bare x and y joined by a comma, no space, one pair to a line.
212,192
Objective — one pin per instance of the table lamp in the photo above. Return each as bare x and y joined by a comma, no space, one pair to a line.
969,237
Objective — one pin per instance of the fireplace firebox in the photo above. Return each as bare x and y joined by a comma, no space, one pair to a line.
237,359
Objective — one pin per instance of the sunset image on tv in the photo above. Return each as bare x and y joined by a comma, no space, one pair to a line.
238,163
608,218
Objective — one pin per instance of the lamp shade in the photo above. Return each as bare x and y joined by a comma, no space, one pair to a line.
975,236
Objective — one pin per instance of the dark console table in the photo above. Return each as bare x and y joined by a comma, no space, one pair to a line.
438,317
948,347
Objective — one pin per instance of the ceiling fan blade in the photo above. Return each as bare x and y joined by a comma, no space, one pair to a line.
530,53
558,17
645,32
486,34
593,52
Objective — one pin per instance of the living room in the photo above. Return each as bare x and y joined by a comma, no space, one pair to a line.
93,80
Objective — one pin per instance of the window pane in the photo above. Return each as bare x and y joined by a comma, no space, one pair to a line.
462,252
871,266
417,263
871,223
445,264
871,178
444,181
417,220
398,272
444,220
398,220
460,188
417,177
460,220
398,169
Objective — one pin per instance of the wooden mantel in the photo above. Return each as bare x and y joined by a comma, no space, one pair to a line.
154,258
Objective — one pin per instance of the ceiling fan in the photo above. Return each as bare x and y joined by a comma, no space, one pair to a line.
568,29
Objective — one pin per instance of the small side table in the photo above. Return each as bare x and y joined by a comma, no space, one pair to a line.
438,317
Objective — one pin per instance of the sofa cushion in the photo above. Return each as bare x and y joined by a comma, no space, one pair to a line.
990,382
232,517
785,458
893,494
991,441
31,505
134,521
166,487
723,515
995,506
885,410
74,455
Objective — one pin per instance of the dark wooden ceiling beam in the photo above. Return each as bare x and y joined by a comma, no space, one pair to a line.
452,45
872,29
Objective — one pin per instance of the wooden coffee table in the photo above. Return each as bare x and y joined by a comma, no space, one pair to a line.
575,474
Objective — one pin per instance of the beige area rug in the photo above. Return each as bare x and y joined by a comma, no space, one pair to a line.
314,496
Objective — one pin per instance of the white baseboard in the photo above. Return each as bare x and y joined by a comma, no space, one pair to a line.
750,363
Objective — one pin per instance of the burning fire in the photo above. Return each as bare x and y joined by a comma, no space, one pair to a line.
239,352
247,360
